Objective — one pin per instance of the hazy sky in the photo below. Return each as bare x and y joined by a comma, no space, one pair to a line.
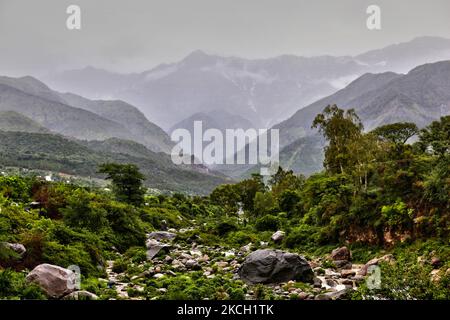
135,35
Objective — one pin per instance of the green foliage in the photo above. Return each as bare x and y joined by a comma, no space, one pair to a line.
397,133
397,214
407,280
340,128
267,223
127,182
263,203
13,286
15,188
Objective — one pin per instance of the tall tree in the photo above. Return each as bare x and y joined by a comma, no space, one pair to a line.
127,182
340,128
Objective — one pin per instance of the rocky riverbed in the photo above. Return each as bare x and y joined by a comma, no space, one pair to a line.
280,274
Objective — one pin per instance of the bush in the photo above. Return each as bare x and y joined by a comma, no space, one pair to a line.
224,227
13,286
267,223
303,235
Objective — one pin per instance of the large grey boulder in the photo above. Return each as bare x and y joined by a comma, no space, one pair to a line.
55,281
154,247
161,235
275,266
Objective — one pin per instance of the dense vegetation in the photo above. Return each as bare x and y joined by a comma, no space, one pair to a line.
377,194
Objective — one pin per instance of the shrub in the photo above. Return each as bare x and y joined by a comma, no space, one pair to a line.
267,223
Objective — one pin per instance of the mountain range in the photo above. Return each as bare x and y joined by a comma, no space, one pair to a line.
420,96
75,116
263,91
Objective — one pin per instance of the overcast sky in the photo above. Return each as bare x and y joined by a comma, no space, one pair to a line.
135,35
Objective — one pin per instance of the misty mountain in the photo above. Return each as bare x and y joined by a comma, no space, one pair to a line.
403,57
216,119
142,130
299,125
82,158
420,96
13,121
78,117
266,91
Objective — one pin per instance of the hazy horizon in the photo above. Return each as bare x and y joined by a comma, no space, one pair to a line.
140,35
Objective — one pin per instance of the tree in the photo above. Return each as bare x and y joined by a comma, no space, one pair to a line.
397,133
263,203
226,196
436,137
248,189
340,128
285,180
127,182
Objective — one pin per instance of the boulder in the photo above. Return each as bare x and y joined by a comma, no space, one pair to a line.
161,235
275,266
386,258
55,281
16,247
154,247
341,254
81,295
343,264
278,236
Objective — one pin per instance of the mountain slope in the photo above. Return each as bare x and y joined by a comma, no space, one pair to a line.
131,118
13,121
60,118
58,154
215,119
299,125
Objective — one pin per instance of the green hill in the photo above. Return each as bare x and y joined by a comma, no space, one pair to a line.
56,153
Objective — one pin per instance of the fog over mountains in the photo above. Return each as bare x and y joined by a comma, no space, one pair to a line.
226,93
264,91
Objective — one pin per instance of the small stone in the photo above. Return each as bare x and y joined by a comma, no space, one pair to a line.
278,236
158,276
81,295
435,261
192,264
348,273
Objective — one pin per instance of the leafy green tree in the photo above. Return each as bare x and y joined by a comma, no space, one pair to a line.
263,203
83,210
14,188
435,138
127,182
289,200
248,189
397,133
285,180
226,196
340,128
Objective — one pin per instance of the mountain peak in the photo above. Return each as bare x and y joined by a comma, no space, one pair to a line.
199,58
